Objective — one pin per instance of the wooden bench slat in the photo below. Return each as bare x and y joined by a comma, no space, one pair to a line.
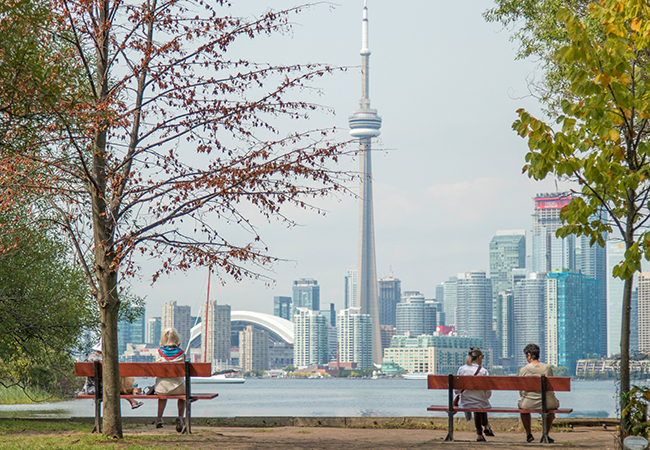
499,383
154,369
499,409
156,396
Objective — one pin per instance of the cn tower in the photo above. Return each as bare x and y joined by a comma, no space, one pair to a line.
364,125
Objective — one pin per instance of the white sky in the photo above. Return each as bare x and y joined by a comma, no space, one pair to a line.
447,172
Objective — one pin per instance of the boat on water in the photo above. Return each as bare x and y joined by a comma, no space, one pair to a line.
416,376
219,378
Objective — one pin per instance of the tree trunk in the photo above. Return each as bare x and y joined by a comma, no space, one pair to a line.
625,352
109,307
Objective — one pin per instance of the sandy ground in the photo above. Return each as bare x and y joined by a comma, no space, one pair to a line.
211,437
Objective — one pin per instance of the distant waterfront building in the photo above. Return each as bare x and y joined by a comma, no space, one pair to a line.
414,316
180,318
549,251
253,349
529,315
507,252
506,336
310,338
440,298
644,312
474,307
330,315
154,330
216,342
130,333
572,318
282,307
615,287
389,295
438,355
354,334
450,299
280,355
634,322
592,261
350,289
387,333
306,294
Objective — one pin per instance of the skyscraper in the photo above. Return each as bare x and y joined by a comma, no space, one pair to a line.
390,293
215,336
572,319
306,294
592,261
529,315
310,338
154,331
615,287
474,307
644,312
550,252
507,252
282,307
450,300
130,332
350,300
415,315
179,317
364,125
253,349
353,336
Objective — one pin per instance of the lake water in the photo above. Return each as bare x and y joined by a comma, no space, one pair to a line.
328,398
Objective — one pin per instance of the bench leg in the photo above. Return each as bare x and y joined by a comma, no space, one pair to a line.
544,422
450,429
98,417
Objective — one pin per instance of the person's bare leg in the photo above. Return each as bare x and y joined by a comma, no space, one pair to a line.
181,408
549,422
162,402
526,422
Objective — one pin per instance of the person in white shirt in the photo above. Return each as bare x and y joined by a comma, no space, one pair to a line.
476,399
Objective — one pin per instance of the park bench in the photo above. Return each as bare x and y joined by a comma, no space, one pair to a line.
159,369
542,384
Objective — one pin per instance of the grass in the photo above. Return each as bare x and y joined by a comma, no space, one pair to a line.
263,430
15,396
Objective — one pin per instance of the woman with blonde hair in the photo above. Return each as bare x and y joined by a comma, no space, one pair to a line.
170,351
476,399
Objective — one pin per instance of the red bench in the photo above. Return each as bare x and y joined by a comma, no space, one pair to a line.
542,384
161,369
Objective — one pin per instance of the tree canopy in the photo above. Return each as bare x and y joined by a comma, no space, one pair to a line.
164,141
600,137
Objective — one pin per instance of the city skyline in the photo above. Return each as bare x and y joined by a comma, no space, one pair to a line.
442,167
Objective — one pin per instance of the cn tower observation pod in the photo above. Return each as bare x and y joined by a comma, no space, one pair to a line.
364,123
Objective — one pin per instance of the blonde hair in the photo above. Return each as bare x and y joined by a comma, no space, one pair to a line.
170,337
473,355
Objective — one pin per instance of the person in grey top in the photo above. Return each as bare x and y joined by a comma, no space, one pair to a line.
533,399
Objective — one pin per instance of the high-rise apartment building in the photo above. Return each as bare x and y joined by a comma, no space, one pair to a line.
354,332
130,332
414,315
350,300
592,261
282,307
306,294
215,336
154,330
390,293
507,252
644,311
506,335
253,349
615,287
572,319
474,307
549,251
178,317
529,315
440,298
310,338
387,333
450,299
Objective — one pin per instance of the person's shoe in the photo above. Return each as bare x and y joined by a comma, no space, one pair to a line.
488,432
530,438
179,424
159,423
548,439
480,438
136,405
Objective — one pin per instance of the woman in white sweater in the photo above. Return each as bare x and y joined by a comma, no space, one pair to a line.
476,399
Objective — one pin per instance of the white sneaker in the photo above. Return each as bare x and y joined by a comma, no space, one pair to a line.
180,423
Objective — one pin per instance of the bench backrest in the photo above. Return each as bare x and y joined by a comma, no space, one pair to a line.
159,369
499,383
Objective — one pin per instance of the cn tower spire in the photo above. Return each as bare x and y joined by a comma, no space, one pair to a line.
364,125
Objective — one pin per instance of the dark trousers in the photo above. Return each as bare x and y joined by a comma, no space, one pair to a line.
480,421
